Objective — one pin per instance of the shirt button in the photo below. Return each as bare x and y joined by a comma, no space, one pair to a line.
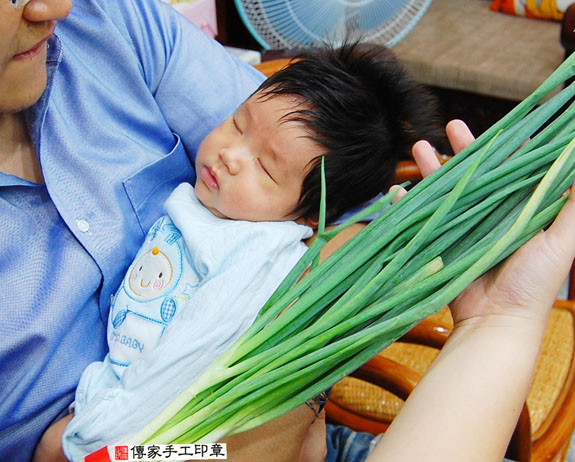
83,225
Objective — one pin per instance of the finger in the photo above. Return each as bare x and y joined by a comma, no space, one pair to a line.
425,157
561,234
402,192
549,255
459,135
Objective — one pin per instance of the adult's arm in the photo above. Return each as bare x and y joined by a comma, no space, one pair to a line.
467,404
194,81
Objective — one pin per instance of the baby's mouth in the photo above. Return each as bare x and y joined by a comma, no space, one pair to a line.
209,178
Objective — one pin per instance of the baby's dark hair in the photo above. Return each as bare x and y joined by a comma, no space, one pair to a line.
362,106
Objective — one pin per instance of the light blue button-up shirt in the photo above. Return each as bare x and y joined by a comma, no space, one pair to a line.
133,88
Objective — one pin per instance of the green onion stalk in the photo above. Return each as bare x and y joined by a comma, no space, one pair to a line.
416,257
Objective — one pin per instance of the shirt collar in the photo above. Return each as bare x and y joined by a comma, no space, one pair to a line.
54,53
6,179
35,115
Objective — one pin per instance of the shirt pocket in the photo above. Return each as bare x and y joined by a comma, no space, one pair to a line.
148,188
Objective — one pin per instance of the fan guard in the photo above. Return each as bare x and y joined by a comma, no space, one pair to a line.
289,24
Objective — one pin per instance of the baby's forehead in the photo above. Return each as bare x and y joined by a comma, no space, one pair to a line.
289,112
292,100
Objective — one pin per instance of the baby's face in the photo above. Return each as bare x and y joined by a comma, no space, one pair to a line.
252,166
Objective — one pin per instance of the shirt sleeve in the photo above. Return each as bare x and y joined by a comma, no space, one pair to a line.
195,81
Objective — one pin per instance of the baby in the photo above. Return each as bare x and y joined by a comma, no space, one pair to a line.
207,267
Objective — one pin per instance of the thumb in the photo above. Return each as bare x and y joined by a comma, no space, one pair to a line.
561,234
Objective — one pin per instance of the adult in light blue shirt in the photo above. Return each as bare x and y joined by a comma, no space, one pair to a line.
99,120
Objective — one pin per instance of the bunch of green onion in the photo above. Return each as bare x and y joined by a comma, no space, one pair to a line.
407,264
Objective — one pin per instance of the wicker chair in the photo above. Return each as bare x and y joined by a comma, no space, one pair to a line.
370,399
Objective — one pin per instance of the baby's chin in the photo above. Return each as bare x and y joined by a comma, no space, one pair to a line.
215,212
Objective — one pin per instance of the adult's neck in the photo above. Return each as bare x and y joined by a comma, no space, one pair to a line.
17,154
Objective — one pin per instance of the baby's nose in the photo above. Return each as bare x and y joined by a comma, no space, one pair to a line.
231,158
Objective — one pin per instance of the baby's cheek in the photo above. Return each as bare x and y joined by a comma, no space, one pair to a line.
158,284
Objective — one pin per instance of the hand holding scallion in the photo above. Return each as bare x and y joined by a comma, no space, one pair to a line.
532,276
467,404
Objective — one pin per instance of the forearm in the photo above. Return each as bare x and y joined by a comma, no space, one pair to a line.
467,404
49,448
281,438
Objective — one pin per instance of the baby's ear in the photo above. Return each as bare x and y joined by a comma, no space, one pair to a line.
312,222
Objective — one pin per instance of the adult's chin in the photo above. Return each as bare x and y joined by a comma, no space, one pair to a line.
22,84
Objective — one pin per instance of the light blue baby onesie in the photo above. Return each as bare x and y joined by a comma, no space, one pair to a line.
195,286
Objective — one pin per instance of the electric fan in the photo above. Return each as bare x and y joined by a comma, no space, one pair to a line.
288,24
